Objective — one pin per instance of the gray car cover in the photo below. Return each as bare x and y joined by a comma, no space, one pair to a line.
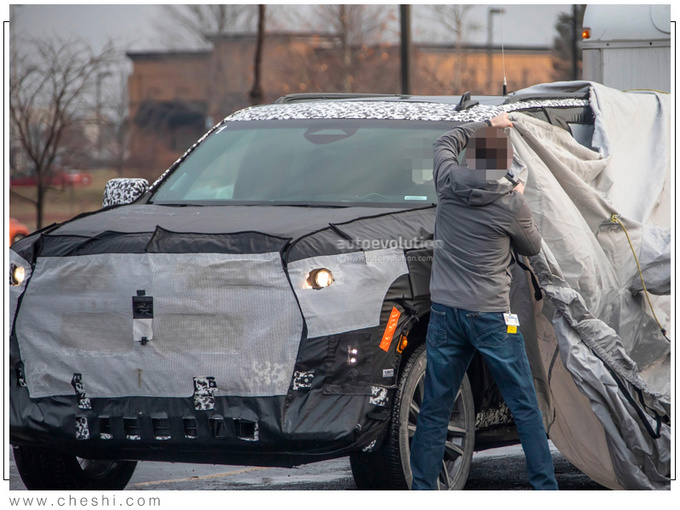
607,404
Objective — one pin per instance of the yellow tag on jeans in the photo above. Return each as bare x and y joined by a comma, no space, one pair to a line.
511,321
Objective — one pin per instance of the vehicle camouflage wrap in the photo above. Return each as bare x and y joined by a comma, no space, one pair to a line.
191,333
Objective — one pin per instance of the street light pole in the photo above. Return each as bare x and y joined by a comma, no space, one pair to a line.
489,44
405,19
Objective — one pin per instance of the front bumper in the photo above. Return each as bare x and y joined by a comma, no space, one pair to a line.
200,357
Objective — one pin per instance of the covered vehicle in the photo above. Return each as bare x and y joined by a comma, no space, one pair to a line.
265,301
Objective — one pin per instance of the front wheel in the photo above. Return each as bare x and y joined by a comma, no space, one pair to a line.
389,467
44,469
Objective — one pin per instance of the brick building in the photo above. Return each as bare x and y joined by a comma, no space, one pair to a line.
176,96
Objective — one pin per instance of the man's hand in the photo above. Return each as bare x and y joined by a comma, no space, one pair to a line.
501,121
519,188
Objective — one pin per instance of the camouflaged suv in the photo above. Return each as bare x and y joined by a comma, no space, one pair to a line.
264,302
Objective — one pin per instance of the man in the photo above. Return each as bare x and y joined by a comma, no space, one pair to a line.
480,218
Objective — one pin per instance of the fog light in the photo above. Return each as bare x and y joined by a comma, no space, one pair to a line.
320,278
17,275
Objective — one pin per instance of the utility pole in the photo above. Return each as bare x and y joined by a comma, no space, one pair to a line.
405,18
256,93
574,42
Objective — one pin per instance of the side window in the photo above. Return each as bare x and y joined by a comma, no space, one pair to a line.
582,133
577,120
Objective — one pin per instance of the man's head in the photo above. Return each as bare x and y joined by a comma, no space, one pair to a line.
490,152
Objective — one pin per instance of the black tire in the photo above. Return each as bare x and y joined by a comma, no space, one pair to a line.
389,467
45,469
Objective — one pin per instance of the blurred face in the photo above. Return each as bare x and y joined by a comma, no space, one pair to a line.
489,151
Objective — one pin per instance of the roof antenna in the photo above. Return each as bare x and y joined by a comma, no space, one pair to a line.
505,81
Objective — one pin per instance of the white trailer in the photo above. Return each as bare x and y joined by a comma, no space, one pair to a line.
628,46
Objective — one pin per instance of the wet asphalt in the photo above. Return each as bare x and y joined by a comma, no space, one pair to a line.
497,469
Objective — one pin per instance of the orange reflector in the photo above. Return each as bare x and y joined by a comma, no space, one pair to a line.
585,33
390,329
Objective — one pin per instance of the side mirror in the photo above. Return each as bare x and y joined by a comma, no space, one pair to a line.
124,191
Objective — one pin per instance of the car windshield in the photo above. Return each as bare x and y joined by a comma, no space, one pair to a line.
309,162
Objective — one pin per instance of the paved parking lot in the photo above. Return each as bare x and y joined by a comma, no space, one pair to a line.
497,469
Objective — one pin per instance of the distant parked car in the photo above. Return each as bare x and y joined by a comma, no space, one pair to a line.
17,230
61,178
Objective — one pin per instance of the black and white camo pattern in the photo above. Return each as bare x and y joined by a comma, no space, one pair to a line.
385,110
21,379
369,447
302,379
204,393
162,176
378,396
83,400
255,436
123,191
492,417
390,110
82,429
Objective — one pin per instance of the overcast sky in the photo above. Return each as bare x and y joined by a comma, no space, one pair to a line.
133,25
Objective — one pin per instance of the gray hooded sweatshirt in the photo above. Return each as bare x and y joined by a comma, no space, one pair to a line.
477,224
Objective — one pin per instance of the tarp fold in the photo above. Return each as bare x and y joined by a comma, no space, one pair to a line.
603,212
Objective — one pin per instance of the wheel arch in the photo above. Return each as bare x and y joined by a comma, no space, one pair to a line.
477,371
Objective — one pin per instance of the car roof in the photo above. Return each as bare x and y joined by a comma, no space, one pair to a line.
396,107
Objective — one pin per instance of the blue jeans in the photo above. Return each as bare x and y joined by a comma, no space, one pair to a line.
453,336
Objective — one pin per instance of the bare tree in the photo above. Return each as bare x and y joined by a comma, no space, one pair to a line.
455,19
50,85
357,26
192,25
118,124
567,45
199,26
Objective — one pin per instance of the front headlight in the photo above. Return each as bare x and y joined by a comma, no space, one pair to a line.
16,274
320,278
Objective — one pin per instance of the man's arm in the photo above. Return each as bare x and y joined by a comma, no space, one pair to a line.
448,147
524,233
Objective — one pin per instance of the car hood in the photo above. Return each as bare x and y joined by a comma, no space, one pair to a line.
281,221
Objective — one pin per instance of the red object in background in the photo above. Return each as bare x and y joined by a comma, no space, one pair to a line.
17,230
60,178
